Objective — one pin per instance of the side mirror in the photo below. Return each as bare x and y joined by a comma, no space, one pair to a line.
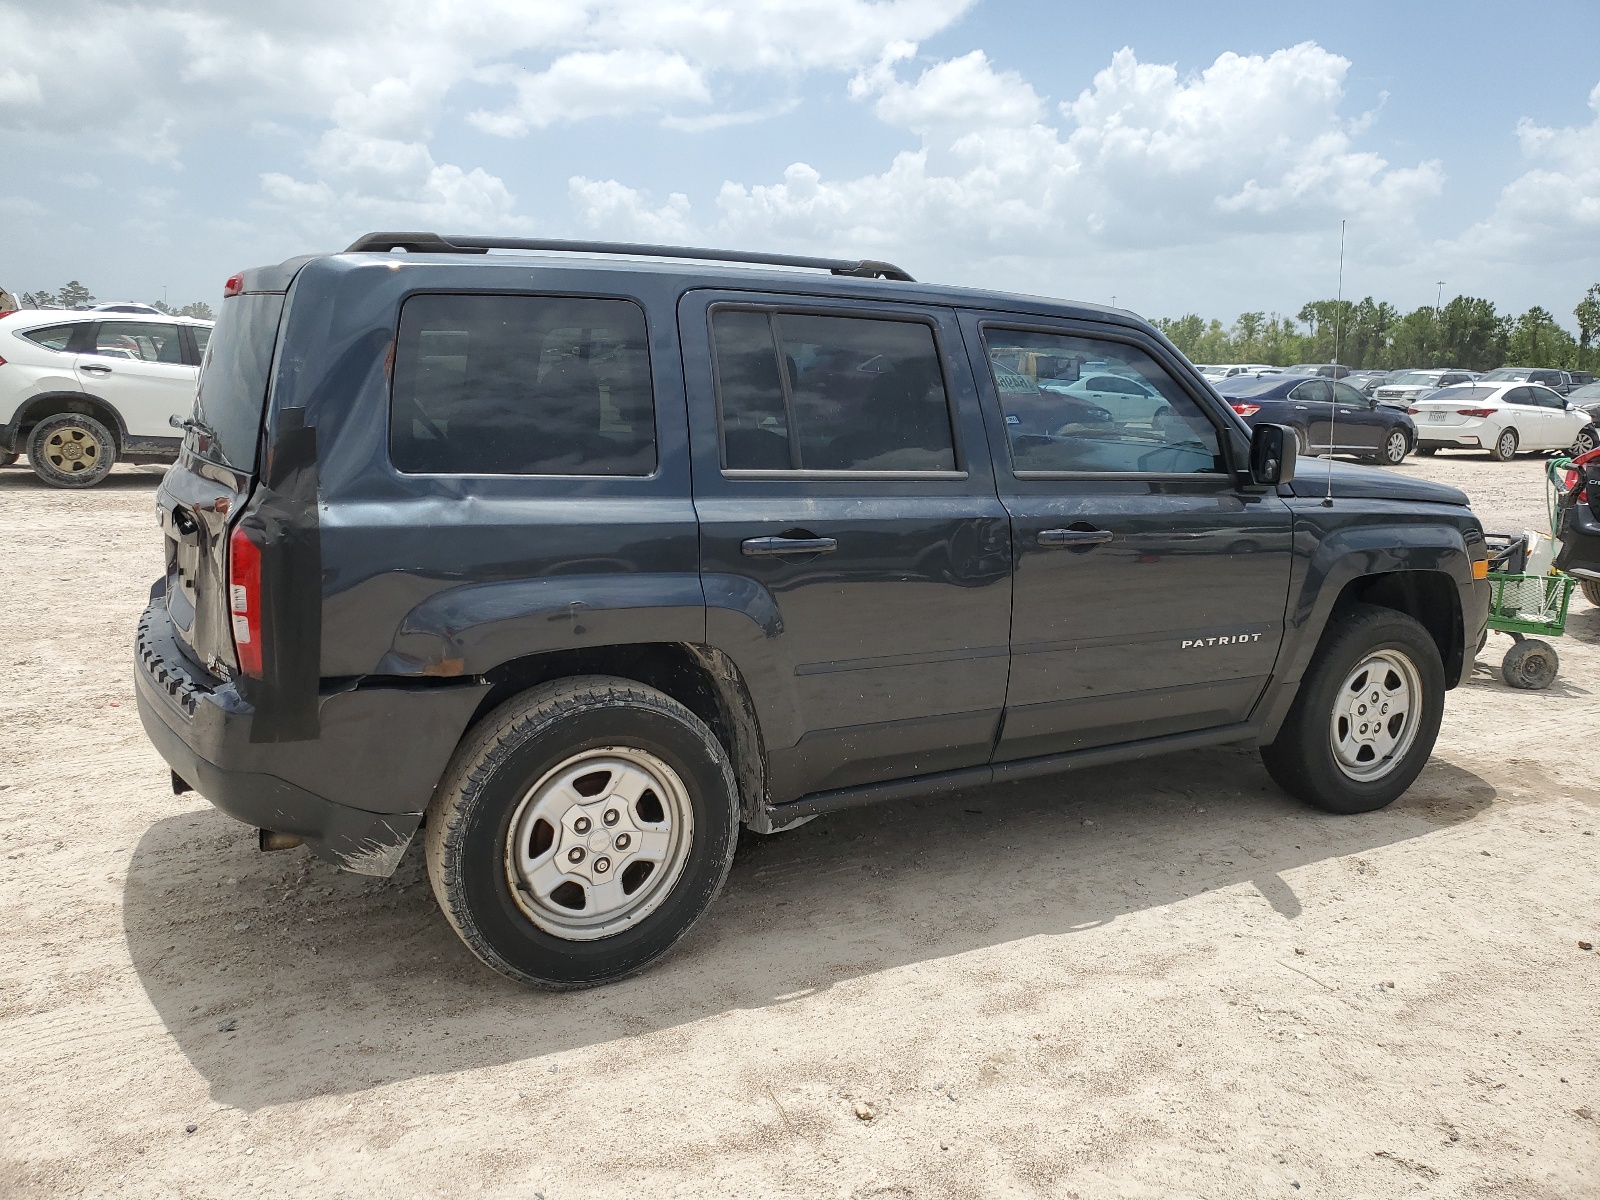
1273,449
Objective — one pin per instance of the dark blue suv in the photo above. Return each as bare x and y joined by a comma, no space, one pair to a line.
579,563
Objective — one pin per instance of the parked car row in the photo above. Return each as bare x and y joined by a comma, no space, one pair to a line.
82,389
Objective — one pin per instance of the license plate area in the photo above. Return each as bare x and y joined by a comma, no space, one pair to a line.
181,533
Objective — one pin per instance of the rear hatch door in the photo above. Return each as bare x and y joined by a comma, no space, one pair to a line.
216,469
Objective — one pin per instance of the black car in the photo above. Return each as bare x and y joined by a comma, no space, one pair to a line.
1327,415
578,563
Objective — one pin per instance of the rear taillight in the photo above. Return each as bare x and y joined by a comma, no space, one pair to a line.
1246,410
2,362
1476,412
1413,411
244,601
234,286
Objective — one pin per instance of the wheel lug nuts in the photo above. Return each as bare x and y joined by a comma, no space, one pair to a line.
602,865
581,825
611,817
623,841
575,854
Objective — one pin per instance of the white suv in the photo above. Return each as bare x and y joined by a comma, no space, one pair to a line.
80,390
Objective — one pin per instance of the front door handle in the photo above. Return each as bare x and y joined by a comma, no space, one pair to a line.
1052,538
1300,408
772,547
96,368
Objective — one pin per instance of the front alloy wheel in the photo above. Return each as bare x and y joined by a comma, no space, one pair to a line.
1588,438
1374,719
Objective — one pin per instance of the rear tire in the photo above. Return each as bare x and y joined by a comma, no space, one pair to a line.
1325,754
581,830
1428,450
71,450
1505,446
1591,590
1395,448
7,459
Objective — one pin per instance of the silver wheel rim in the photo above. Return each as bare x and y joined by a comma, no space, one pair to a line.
1397,447
1375,715
1585,442
1508,444
599,842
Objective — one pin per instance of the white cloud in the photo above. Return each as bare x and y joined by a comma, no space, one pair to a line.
1550,213
584,85
18,89
621,213
960,93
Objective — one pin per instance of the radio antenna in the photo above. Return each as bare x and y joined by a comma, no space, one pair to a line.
1333,408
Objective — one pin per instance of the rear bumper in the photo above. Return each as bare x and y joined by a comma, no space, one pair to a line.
356,794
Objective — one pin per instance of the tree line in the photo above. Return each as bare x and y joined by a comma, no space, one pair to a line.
73,294
1467,332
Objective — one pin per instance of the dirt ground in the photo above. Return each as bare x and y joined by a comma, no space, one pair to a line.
1166,980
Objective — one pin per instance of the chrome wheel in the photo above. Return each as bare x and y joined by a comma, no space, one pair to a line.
1375,715
1394,449
1584,442
598,843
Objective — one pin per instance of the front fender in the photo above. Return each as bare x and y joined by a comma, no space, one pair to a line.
1334,548
471,629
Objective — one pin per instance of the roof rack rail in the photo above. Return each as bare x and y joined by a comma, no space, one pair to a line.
432,243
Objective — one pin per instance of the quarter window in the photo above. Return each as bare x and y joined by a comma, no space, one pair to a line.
522,385
819,393
1085,405
51,337
138,341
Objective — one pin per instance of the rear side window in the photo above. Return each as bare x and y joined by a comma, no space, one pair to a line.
798,391
51,337
522,385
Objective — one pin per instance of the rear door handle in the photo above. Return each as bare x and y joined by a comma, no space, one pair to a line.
772,547
1051,538
96,368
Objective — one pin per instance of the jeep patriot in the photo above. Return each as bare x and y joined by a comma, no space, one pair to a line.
579,557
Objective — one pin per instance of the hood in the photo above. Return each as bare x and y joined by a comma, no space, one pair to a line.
1351,482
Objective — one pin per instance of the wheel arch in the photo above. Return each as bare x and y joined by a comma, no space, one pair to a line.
701,678
48,404
1430,597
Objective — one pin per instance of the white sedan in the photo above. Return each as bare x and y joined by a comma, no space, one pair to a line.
1501,418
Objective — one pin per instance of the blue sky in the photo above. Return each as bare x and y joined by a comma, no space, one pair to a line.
1177,157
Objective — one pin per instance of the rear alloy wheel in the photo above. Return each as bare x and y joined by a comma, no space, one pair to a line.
580,830
1367,714
1505,446
1588,438
1395,448
70,450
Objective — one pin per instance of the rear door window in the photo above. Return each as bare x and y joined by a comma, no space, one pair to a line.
139,341
799,391
522,385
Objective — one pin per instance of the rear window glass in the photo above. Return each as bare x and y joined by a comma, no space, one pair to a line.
52,337
522,385
234,376
1463,393
820,393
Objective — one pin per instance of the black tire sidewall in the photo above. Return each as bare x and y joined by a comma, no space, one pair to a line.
1317,777
40,462
512,942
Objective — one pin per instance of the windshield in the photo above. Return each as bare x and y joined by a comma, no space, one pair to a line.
1508,375
1589,391
234,377
1413,378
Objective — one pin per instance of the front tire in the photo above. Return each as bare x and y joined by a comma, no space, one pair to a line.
581,830
1588,438
1366,717
7,458
1505,446
1591,590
